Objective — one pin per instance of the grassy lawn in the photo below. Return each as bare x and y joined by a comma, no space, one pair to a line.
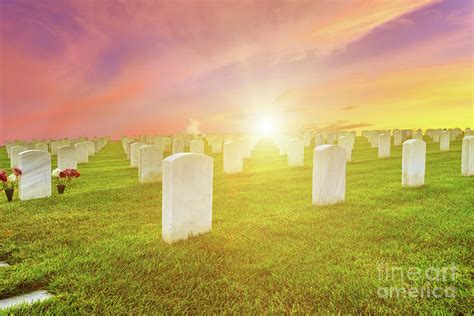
98,247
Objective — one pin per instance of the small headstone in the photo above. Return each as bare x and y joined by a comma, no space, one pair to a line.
318,140
413,163
150,168
467,164
295,152
67,157
54,147
187,196
90,148
346,143
444,139
82,152
35,181
196,146
14,152
283,145
216,144
384,145
307,139
233,162
329,175
417,135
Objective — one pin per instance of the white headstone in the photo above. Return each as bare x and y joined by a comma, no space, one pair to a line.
150,168
178,145
134,154
35,181
82,152
413,163
283,145
196,146
54,147
467,164
14,152
417,135
67,157
233,162
346,143
90,147
397,138
384,145
329,174
216,144
444,139
187,196
295,152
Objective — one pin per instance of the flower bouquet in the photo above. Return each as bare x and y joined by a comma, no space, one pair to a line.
10,182
64,177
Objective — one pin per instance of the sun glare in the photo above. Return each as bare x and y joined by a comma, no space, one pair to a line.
266,126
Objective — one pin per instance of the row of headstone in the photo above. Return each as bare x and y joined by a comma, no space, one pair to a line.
35,164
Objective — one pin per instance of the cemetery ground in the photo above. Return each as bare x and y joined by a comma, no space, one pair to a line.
98,247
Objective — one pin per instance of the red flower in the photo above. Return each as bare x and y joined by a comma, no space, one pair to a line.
3,176
17,172
62,174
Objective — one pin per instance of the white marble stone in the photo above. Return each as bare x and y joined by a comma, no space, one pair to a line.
150,167
54,146
30,298
178,145
134,154
187,196
35,181
444,139
246,147
307,139
384,145
346,143
295,152
467,163
42,146
329,175
82,152
436,134
233,157
90,148
14,152
331,138
67,157
196,146
413,163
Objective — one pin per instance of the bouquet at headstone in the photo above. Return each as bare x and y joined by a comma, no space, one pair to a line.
66,176
10,181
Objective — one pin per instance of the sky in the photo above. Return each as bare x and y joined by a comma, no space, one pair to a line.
71,68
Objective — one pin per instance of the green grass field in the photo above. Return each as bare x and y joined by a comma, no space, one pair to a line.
98,248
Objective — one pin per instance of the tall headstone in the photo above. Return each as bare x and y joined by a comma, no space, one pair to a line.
444,139
90,147
54,147
384,145
67,157
295,152
329,175
150,168
14,155
413,163
82,152
346,143
187,196
196,146
233,156
467,163
178,145
216,144
35,181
